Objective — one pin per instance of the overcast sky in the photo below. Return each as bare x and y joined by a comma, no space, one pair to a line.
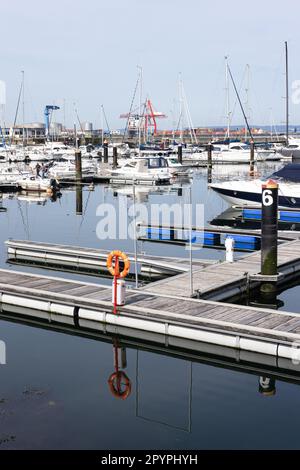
87,52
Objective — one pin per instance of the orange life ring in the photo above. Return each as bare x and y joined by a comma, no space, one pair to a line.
114,383
112,270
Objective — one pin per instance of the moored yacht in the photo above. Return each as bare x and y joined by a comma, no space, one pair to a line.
249,193
36,183
143,170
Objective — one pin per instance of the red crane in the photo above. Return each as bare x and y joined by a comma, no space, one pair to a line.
149,117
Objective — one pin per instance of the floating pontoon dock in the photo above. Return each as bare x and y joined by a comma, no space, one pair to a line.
244,328
79,258
222,281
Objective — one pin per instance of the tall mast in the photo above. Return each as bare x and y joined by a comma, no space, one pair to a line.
23,108
102,125
241,105
247,97
180,108
287,91
227,98
174,119
140,107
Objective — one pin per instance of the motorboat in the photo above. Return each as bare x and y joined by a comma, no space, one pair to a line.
176,168
66,169
36,183
55,150
249,193
238,152
143,170
292,150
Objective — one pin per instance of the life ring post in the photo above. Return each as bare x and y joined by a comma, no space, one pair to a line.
118,287
115,285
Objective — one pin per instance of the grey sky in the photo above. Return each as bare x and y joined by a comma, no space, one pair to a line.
88,51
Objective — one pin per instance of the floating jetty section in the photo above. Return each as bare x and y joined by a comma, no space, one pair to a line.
90,259
223,281
244,328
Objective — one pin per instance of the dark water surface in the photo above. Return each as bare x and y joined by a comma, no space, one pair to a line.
54,389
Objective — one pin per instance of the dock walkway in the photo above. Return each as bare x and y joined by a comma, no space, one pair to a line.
221,281
240,327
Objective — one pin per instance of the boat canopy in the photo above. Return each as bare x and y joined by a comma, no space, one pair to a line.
290,172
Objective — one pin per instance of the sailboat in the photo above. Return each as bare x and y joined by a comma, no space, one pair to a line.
238,152
292,148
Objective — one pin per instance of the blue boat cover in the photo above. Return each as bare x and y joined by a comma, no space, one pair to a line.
290,172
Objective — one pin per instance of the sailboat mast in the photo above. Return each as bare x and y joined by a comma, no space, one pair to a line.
247,98
287,91
23,108
239,100
102,125
227,98
140,108
180,109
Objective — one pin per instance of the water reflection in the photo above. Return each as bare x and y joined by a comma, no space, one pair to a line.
236,218
170,393
79,199
265,300
267,386
118,382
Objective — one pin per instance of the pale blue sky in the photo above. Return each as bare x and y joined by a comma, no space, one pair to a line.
88,51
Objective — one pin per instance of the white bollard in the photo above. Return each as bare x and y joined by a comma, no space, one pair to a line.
121,290
229,245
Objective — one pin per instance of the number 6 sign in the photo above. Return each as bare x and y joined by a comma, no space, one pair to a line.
267,198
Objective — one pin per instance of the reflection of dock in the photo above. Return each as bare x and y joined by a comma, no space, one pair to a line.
248,362
242,328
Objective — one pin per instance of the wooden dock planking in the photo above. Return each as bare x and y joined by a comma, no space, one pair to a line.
209,281
188,311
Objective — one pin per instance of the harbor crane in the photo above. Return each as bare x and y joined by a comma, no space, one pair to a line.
49,108
148,117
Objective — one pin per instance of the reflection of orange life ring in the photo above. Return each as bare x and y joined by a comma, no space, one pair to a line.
113,271
115,381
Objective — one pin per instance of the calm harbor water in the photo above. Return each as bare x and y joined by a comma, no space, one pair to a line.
54,389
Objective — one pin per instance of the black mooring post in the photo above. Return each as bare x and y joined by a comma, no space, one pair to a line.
179,153
105,152
209,162
252,149
269,234
78,165
115,157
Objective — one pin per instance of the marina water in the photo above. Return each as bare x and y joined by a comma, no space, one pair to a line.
54,389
